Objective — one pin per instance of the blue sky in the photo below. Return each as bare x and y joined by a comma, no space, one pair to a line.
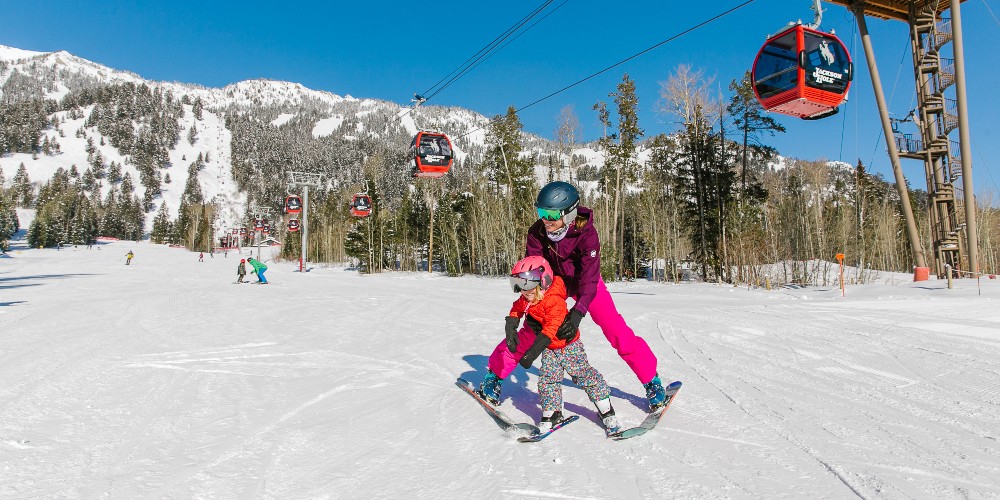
392,49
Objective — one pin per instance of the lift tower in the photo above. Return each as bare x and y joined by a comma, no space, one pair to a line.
952,205
305,180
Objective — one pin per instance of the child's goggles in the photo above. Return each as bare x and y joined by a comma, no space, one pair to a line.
527,280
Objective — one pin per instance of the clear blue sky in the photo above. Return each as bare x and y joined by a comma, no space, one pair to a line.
391,49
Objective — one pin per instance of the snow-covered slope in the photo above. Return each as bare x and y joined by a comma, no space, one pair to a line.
165,379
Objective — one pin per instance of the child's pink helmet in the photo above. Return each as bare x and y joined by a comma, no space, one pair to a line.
530,272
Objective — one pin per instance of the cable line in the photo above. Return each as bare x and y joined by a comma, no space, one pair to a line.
490,47
623,61
487,56
991,12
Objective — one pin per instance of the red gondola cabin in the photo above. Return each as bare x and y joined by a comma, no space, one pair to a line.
802,72
293,204
431,154
361,205
293,225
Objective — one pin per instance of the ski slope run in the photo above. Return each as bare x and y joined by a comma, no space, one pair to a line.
166,379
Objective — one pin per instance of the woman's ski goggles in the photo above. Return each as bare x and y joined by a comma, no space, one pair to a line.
550,213
528,280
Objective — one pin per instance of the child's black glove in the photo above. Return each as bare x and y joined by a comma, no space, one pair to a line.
569,326
540,344
510,328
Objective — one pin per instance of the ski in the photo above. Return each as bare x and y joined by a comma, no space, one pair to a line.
652,419
506,423
536,437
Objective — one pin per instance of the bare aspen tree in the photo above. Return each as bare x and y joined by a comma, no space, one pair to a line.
566,134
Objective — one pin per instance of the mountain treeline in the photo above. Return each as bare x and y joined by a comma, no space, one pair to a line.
711,201
706,201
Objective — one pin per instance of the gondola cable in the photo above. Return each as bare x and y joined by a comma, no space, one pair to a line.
486,56
480,56
483,52
619,63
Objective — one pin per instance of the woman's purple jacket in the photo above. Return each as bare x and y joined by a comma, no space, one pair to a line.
576,258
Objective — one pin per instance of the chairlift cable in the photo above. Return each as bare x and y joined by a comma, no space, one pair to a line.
843,125
623,61
486,57
985,164
878,139
988,9
490,47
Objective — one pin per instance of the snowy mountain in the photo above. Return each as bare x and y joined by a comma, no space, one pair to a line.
34,75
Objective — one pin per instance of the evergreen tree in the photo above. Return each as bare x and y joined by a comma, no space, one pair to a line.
23,191
161,226
197,108
751,121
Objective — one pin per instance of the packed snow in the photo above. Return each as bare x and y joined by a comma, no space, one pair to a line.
326,126
163,378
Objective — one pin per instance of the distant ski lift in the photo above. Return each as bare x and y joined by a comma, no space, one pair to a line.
361,205
293,225
243,231
258,225
293,204
266,229
430,154
236,231
802,72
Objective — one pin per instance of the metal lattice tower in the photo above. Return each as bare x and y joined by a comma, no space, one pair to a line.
952,206
304,180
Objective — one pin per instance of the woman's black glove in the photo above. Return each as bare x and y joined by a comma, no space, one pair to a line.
510,328
567,330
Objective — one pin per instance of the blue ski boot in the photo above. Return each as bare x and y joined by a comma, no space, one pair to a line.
654,392
490,388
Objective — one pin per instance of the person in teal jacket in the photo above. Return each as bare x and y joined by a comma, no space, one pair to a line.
259,268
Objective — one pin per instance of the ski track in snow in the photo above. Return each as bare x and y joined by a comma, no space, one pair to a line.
160,379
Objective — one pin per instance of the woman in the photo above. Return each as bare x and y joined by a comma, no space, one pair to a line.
566,237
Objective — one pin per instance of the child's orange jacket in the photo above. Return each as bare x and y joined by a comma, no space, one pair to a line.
550,312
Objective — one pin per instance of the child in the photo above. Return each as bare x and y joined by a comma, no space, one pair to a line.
241,270
543,305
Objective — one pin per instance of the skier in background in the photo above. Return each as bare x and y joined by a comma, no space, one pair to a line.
543,305
128,257
259,268
241,271
566,237
201,256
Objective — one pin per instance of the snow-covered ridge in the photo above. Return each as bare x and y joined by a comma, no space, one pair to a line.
256,92
12,54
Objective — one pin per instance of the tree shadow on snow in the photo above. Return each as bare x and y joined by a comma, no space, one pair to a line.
4,280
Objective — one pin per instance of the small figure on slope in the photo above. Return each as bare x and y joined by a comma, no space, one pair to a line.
543,305
258,268
241,271
128,257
